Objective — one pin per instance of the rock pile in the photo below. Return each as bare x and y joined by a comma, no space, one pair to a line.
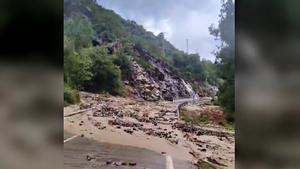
120,163
108,111
201,131
158,82
148,89
118,122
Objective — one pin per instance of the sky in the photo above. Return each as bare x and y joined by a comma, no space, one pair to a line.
178,19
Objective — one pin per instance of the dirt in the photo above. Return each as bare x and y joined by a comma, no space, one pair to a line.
151,125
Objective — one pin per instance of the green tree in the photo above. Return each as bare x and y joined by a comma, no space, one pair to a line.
106,75
123,61
80,30
76,66
71,96
225,57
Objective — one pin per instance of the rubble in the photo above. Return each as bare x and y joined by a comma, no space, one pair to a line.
153,119
89,158
128,131
158,82
120,163
214,161
118,122
200,131
132,163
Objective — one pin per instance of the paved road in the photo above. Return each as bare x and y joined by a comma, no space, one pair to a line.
77,149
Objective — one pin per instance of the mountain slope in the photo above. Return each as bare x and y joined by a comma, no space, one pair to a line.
159,82
105,46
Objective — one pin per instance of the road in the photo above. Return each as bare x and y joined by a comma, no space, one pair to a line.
77,149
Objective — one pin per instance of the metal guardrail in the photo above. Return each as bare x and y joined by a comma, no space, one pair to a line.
184,102
78,112
179,106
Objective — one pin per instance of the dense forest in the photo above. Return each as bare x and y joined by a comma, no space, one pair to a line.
97,69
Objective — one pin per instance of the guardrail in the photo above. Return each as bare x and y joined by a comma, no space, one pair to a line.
184,102
79,112
179,106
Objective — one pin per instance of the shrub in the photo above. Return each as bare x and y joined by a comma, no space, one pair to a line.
71,96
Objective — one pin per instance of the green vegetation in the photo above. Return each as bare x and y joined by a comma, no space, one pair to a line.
96,69
193,118
71,96
122,59
229,125
106,75
108,24
225,58
201,164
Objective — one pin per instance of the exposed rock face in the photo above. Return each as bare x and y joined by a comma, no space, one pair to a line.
156,83
207,90
159,82
146,86
115,47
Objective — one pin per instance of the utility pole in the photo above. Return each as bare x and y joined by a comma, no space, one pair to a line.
187,46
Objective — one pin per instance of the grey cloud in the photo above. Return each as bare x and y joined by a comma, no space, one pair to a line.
180,19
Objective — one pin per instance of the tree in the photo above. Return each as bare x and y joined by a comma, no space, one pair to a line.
106,75
80,30
76,66
123,61
225,57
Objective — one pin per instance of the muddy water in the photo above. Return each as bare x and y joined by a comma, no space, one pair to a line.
76,151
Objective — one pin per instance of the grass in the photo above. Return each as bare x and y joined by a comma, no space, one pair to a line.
227,125
71,96
204,165
193,118
190,117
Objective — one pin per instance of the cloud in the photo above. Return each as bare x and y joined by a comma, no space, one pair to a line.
179,19
157,27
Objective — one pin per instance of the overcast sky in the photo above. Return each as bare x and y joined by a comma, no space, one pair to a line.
179,19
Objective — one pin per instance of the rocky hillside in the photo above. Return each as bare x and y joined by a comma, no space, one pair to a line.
96,44
159,82
154,79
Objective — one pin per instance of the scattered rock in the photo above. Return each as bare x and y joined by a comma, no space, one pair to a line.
118,163
132,163
89,158
193,153
214,161
108,162
128,131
